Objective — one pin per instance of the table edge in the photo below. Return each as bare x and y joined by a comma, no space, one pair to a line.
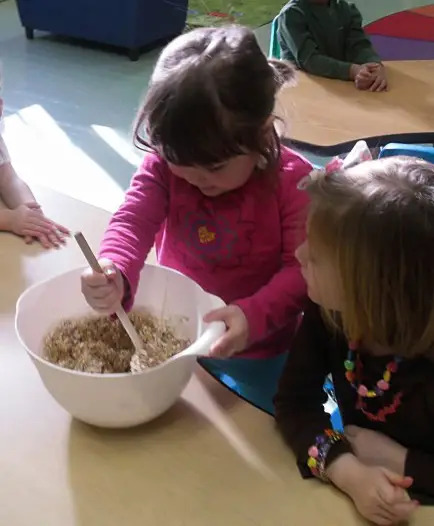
346,146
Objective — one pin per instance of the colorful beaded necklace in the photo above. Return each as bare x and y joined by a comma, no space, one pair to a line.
382,385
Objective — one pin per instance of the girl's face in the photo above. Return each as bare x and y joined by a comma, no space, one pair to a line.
220,178
321,277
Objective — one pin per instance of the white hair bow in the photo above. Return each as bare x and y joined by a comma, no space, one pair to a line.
359,154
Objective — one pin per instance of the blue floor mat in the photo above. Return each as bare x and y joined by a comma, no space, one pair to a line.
255,380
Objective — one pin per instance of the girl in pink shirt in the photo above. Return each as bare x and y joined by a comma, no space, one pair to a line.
216,192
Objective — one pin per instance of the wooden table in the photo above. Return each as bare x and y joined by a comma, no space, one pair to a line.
327,116
211,460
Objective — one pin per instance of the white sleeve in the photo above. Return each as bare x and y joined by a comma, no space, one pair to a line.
4,154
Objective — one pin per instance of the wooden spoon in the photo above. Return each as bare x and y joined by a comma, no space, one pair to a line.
140,355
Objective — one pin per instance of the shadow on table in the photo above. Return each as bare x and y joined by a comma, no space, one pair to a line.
12,267
114,475
132,476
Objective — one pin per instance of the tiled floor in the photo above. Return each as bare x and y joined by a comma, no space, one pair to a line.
69,109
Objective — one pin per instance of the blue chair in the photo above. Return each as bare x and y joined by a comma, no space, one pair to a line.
412,150
129,24
274,50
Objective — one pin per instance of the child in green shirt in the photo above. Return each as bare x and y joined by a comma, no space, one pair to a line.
326,38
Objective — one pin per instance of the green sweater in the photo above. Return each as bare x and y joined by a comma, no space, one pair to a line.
324,39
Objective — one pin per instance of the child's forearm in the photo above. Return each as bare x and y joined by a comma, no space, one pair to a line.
132,230
341,472
354,71
13,190
5,220
328,67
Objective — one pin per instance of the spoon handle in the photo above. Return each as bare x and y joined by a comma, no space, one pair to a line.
120,312
87,252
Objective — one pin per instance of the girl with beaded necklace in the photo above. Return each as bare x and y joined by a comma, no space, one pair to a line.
369,266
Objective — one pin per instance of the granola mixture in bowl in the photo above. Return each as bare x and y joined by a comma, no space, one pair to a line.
98,344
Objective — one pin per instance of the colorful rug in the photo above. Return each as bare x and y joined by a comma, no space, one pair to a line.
252,13
407,35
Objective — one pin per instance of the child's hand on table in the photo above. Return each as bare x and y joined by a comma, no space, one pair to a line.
26,220
371,76
376,449
235,338
362,76
380,78
29,222
103,292
379,494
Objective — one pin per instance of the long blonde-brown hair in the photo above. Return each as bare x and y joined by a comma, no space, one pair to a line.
376,222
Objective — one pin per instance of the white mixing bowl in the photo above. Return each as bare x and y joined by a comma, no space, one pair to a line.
117,400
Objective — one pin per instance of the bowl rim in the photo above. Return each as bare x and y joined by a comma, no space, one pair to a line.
73,372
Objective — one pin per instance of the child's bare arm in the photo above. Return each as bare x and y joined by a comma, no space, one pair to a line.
13,190
6,218
380,495
22,215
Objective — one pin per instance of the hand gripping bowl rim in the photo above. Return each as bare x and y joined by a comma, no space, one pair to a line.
213,331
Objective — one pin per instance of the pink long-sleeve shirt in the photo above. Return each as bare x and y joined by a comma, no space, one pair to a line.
239,246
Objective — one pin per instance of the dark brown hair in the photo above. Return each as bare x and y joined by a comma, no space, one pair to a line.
376,222
209,99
